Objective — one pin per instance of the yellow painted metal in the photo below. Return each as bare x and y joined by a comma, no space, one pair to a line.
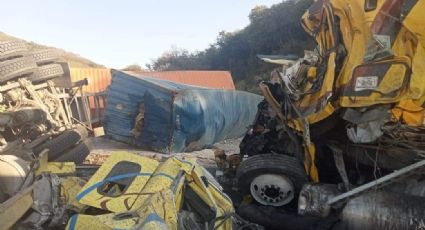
213,196
299,125
309,165
315,99
161,179
12,210
15,207
60,168
409,112
159,209
392,83
103,222
402,83
157,213
70,187
399,74
178,196
90,194
42,162
158,199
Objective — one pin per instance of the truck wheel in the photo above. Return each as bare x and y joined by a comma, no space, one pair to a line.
77,154
64,141
45,56
15,68
12,49
46,72
271,179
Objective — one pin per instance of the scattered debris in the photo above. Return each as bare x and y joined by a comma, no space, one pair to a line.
338,135
140,193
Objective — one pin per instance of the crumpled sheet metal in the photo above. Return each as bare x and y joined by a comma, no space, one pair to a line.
209,116
142,193
177,117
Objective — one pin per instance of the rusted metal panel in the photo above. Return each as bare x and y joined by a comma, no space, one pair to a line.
208,79
99,78
98,81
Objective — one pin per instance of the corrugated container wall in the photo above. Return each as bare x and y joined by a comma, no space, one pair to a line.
99,79
207,79
176,117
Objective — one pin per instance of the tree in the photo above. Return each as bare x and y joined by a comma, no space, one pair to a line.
257,12
133,67
273,30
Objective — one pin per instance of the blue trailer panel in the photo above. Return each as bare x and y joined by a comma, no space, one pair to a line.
177,117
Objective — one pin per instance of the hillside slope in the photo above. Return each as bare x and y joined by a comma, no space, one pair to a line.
274,30
74,60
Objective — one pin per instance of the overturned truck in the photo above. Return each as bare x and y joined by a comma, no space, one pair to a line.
35,104
35,121
338,141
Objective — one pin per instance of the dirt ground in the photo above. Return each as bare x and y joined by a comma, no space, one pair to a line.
102,147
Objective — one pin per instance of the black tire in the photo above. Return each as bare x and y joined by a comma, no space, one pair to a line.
45,56
77,154
46,72
12,49
18,67
270,163
64,141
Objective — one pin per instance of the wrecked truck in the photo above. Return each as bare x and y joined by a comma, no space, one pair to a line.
127,192
44,186
36,117
141,193
338,141
36,96
35,113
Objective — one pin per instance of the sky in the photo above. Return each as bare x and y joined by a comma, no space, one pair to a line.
122,32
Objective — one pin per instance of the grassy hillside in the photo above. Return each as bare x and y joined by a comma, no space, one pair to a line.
74,60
